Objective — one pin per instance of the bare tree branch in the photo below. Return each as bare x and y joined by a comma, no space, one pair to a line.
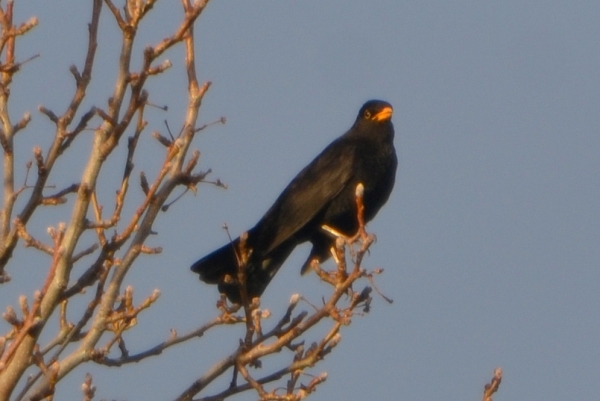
492,386
257,344
100,325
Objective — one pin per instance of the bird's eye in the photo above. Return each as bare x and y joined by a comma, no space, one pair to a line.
367,114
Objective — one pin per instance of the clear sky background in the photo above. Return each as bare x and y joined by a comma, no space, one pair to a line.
490,240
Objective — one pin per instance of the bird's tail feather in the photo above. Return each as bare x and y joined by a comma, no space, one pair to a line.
216,266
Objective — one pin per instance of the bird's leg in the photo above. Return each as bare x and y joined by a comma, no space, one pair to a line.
336,233
349,240
338,251
360,217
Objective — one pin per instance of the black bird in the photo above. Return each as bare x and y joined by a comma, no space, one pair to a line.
323,193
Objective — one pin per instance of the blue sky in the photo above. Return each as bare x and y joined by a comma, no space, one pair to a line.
490,241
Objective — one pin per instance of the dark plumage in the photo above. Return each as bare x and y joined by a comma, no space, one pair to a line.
322,193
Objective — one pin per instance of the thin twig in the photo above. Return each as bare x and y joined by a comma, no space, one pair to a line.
493,385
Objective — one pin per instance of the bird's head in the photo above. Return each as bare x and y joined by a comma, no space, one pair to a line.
375,111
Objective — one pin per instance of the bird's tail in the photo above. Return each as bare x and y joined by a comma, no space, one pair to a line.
215,266
221,267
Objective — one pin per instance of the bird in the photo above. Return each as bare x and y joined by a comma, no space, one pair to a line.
323,193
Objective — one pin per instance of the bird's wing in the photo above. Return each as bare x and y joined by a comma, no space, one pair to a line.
307,194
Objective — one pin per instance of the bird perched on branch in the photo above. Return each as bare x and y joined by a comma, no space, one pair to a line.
321,194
